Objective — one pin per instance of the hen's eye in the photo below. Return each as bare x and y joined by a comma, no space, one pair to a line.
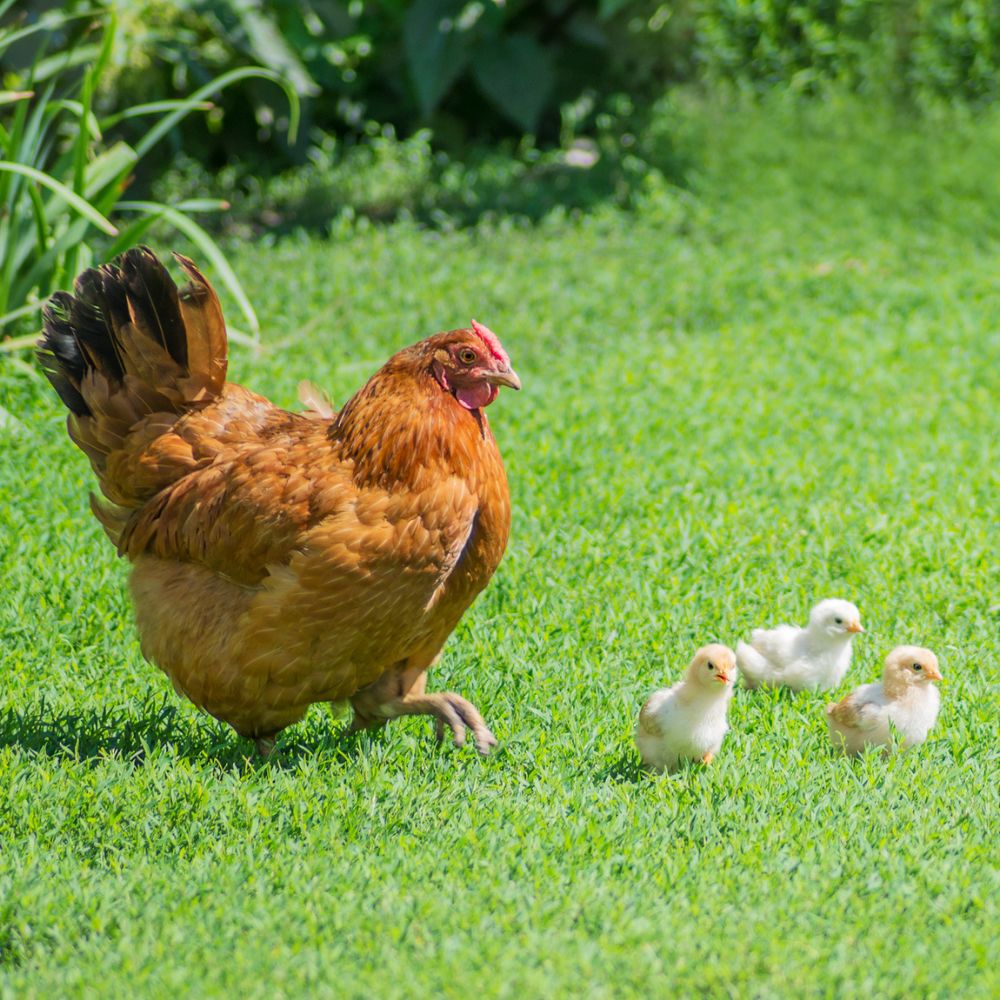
917,666
839,621
710,665
466,355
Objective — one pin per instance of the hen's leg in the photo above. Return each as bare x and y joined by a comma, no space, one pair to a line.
402,690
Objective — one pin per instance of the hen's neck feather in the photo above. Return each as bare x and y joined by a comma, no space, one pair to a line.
402,428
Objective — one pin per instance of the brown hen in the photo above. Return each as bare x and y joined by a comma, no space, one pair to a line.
281,559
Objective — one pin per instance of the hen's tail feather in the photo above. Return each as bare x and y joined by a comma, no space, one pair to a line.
128,318
129,355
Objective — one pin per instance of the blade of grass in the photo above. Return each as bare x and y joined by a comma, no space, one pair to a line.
73,199
25,310
19,343
208,247
162,127
46,23
154,108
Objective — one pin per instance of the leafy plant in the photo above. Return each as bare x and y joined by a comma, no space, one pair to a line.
923,51
63,175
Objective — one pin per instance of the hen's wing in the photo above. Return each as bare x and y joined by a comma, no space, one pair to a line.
246,505
260,502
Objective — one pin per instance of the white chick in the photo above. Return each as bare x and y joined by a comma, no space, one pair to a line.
905,700
813,658
688,720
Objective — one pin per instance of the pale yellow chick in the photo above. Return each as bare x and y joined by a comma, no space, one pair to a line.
688,720
905,700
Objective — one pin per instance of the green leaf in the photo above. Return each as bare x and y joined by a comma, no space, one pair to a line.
270,49
516,74
73,200
154,108
10,96
436,51
108,167
165,124
208,247
25,310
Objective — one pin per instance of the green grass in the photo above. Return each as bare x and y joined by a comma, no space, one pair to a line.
779,388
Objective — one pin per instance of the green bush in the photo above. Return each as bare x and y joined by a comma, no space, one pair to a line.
916,50
63,172
453,110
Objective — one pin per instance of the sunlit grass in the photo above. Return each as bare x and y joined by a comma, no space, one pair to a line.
783,389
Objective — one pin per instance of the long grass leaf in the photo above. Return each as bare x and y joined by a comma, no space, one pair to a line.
19,343
162,127
46,23
10,96
82,55
25,310
208,247
63,192
154,108
77,109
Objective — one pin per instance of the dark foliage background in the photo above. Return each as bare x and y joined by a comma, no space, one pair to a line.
448,111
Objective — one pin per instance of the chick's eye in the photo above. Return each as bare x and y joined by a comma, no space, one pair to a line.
466,355
839,621
917,666
710,665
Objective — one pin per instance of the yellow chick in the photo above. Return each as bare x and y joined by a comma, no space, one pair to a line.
688,720
905,700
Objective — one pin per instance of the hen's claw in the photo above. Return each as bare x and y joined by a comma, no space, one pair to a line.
458,713
449,709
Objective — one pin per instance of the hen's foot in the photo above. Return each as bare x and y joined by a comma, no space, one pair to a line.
452,710
449,709
266,745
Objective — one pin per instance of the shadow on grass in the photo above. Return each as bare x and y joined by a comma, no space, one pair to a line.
113,733
624,770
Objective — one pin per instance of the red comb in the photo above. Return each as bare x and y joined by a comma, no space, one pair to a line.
492,341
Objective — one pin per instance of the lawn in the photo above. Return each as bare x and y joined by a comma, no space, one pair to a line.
777,386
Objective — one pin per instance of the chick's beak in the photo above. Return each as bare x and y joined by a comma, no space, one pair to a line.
722,678
933,674
854,626
505,376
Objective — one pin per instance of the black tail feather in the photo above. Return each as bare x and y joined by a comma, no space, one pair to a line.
82,331
93,331
59,353
152,296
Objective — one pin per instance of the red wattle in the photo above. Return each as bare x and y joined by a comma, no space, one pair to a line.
477,395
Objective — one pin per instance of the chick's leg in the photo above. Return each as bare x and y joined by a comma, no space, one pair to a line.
708,758
402,690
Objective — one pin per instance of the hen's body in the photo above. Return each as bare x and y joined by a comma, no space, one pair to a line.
279,559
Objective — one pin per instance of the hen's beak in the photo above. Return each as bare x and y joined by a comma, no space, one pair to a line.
508,377
854,626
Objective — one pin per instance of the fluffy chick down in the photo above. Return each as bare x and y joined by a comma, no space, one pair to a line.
905,700
688,721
